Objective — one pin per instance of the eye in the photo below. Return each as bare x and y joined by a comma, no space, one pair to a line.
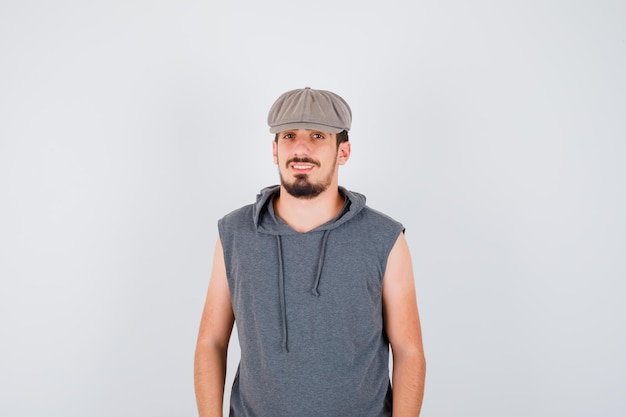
318,136
289,136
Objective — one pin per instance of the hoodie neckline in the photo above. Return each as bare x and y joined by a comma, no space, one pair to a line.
272,212
268,222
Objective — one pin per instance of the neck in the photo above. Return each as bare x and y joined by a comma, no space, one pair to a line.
304,215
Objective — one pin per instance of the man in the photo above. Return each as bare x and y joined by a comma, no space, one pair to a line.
319,284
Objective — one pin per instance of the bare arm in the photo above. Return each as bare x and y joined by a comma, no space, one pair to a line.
402,325
212,346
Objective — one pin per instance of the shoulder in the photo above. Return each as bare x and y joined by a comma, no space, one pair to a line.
374,229
366,214
380,223
235,219
379,217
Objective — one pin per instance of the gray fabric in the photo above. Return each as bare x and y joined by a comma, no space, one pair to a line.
307,108
308,310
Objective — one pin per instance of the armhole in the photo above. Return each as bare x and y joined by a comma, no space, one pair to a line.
399,228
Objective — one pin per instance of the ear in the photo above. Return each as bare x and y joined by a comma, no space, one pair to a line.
275,152
343,153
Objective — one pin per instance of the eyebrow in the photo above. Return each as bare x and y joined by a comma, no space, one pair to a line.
308,130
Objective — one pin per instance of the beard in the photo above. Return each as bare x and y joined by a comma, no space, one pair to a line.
302,187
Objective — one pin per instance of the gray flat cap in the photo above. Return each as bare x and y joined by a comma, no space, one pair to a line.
307,108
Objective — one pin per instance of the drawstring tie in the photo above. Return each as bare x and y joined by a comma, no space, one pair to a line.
320,265
281,295
281,284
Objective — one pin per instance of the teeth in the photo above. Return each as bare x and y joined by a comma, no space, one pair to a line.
302,166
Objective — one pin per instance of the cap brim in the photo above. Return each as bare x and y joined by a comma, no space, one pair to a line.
308,126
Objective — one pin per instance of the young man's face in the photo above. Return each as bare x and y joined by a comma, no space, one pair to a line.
308,161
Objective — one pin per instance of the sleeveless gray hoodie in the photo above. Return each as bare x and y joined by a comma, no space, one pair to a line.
308,311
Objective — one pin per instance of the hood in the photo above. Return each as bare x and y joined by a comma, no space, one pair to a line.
266,221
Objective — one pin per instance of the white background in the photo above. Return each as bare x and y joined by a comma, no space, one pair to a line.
494,130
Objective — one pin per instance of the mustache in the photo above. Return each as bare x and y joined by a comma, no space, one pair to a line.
305,160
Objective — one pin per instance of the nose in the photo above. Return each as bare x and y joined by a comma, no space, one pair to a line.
301,145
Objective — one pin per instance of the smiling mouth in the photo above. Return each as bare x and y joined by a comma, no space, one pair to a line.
302,166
